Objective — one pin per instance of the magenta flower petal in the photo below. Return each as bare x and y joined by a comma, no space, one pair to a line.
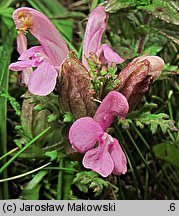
42,28
96,25
99,160
114,104
84,134
42,81
21,65
22,47
21,43
118,157
108,56
30,52
53,51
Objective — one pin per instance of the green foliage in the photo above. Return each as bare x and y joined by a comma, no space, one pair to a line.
144,117
103,79
14,103
68,117
7,33
156,120
52,154
163,9
115,5
134,27
168,153
90,180
22,150
31,190
52,118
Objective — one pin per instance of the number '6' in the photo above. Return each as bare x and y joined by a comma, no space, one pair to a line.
172,207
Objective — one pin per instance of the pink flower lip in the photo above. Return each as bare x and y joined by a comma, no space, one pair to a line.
86,132
42,80
106,138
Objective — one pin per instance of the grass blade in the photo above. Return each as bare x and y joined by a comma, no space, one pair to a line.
22,150
8,39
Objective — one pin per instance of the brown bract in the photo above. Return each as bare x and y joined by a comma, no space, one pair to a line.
74,87
135,80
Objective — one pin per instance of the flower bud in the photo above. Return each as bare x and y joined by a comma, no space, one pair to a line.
156,64
137,76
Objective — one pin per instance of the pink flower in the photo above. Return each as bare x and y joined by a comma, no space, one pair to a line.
47,58
42,80
96,25
21,47
108,156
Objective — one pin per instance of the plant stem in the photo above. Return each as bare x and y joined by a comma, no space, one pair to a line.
25,174
142,39
131,162
60,180
146,164
8,153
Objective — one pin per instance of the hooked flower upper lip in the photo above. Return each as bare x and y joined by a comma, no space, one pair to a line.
46,58
23,21
95,28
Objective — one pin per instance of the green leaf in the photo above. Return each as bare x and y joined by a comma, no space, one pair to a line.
6,12
7,38
157,120
52,154
90,180
67,178
115,5
39,107
168,153
163,9
154,43
31,190
170,31
144,117
68,117
18,143
52,118
94,4
36,180
12,101
6,3
22,150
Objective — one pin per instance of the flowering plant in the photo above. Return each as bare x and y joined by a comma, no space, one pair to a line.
53,59
82,108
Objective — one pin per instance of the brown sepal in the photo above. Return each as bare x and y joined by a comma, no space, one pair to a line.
74,88
135,81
